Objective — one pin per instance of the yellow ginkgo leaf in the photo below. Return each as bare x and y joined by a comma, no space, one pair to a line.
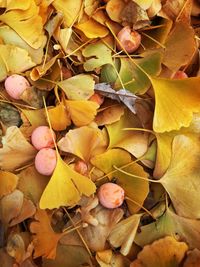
8,183
59,112
27,23
36,117
69,8
136,189
82,112
13,59
92,29
65,187
164,252
134,142
182,178
84,142
78,87
112,157
176,101
16,151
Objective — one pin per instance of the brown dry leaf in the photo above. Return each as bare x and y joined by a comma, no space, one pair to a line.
166,252
10,206
27,211
193,258
45,240
8,183
32,184
185,48
27,23
114,9
107,258
109,114
96,236
6,260
33,97
16,151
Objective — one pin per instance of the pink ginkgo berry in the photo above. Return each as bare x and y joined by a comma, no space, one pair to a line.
111,195
42,137
15,85
129,39
45,161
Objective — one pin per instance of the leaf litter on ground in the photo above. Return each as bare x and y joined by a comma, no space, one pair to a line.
125,118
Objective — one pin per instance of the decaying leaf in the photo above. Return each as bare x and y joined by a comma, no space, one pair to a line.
107,258
8,183
193,258
45,239
164,252
16,151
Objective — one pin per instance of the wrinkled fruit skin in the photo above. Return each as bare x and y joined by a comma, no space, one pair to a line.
130,40
180,75
15,85
111,195
45,161
42,138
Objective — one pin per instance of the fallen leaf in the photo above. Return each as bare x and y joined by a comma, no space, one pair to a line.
16,151
65,187
33,97
114,9
6,260
84,142
8,183
136,189
82,112
79,87
127,98
185,49
112,157
92,29
99,54
32,184
36,117
69,256
70,10
27,23
134,142
183,174
60,112
10,206
170,224
109,114
133,79
45,240
9,36
178,97
9,115
13,59
107,258
193,258
123,234
163,252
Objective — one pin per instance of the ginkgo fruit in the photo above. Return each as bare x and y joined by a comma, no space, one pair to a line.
180,75
111,195
15,85
130,40
42,137
45,161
